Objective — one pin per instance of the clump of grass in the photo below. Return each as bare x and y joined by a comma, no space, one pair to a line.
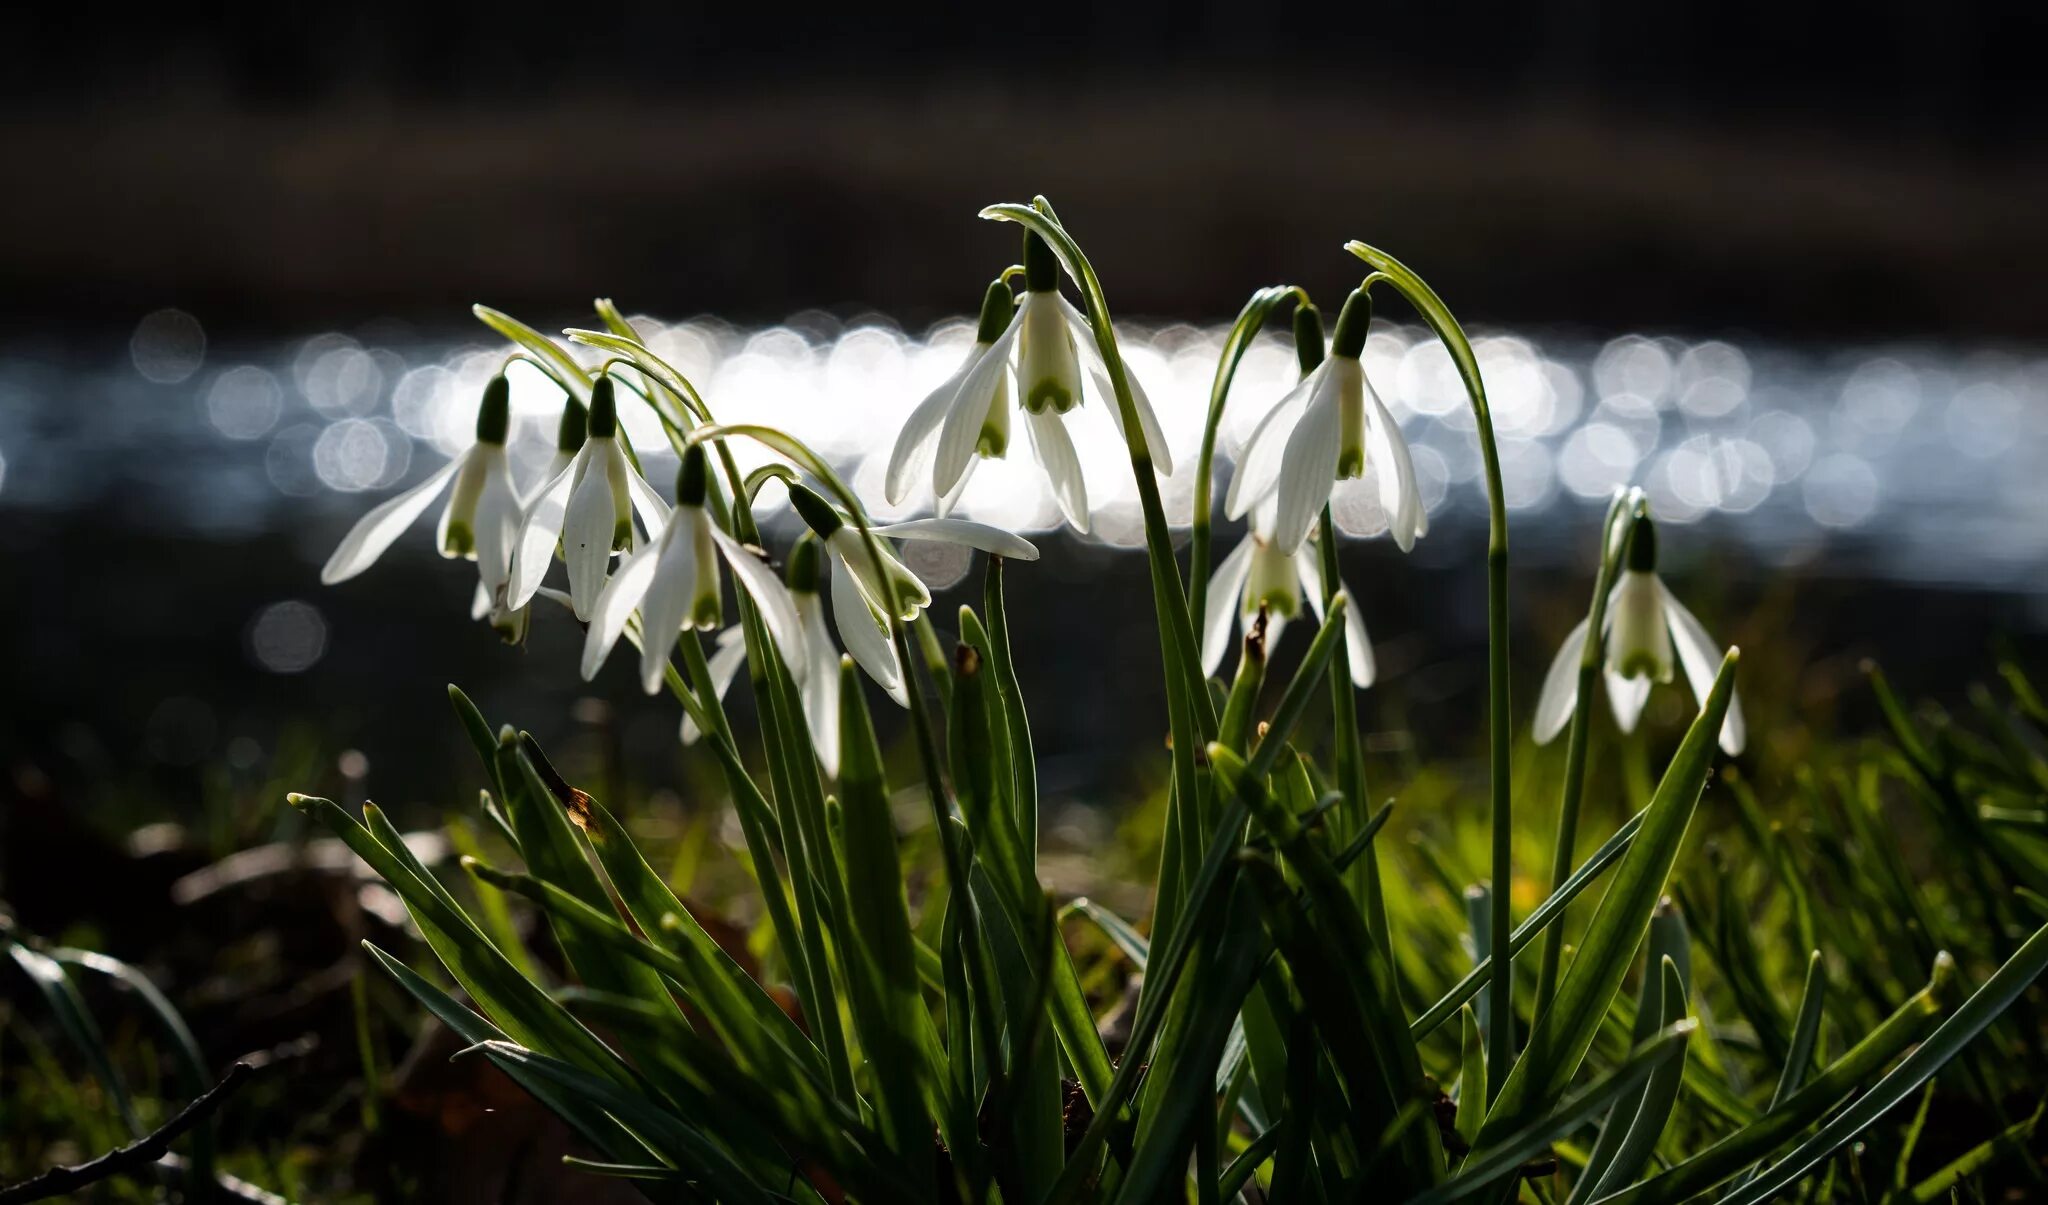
1299,1031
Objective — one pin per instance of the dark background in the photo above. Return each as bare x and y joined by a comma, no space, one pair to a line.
1820,169
1805,174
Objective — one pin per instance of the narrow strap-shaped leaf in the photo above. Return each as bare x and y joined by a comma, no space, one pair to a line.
1659,1092
556,362
1561,1037
1754,1141
1980,1010
719,985
1668,939
75,1020
1938,1186
895,1030
516,1004
1547,913
594,1124
1516,1148
193,1073
662,1129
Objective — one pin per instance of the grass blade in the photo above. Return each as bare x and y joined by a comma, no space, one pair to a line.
1561,1037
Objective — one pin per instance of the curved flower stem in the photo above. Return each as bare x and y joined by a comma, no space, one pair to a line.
1501,1035
1190,710
1364,874
1183,654
1249,322
1576,743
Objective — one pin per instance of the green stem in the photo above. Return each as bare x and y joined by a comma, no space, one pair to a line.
1249,321
1500,991
1576,747
1364,875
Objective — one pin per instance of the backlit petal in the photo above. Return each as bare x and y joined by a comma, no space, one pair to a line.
964,532
1258,466
1701,659
537,535
614,605
1308,468
861,631
1055,451
1560,686
374,532
1220,604
960,434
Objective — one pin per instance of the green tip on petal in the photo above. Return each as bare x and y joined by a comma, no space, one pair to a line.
1352,324
604,409
494,416
570,434
996,308
1308,337
802,571
1041,267
815,510
693,477
1642,545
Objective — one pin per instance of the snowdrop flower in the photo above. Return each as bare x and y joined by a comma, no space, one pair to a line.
911,459
673,582
815,666
862,600
589,506
511,623
1645,626
1045,342
1256,574
1320,434
480,520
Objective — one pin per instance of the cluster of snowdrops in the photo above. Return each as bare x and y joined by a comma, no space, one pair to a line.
949,1052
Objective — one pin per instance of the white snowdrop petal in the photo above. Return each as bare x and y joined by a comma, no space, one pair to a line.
913,453
1258,467
1560,692
863,635
1308,469
1221,603
614,605
771,596
961,432
1701,659
537,535
587,529
1055,451
375,531
964,532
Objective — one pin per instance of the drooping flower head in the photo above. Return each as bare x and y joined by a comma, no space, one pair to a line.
814,666
480,520
866,594
1044,342
673,581
1322,433
1646,628
1259,574
910,461
588,506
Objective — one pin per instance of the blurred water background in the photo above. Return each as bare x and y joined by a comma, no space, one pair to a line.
1777,266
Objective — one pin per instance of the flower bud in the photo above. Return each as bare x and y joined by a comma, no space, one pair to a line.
604,410
692,477
1041,266
1351,325
494,415
815,510
570,434
1308,337
1642,545
802,572
996,308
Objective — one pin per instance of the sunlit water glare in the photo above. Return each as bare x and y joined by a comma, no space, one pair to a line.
1912,462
